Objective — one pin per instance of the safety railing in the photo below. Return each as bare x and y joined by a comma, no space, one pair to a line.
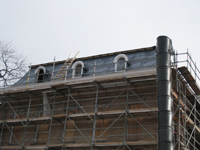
185,59
73,136
106,103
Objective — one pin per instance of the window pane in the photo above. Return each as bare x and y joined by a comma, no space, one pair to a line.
78,71
41,75
121,64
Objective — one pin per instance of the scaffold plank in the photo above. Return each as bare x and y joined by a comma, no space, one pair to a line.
79,116
85,145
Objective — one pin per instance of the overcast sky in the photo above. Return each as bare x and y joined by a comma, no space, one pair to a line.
42,29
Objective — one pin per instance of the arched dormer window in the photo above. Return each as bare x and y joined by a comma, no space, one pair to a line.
120,62
77,69
40,71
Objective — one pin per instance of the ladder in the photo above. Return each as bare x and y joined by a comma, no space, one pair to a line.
60,75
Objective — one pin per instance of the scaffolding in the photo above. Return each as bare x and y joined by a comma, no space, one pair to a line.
185,94
107,111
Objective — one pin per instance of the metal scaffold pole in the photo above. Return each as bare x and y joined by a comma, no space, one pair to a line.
95,116
51,120
27,116
66,114
3,125
126,117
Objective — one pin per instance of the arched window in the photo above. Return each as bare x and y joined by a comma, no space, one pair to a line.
120,62
40,71
77,69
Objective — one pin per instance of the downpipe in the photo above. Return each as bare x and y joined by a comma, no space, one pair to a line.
165,130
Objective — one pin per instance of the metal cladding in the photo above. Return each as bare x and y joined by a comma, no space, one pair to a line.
165,130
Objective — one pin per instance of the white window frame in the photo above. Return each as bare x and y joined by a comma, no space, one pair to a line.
74,68
117,59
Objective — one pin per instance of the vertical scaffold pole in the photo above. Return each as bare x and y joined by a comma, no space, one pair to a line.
3,125
67,107
52,111
27,116
179,118
53,69
28,77
95,117
126,117
195,119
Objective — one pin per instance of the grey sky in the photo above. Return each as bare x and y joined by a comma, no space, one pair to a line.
43,29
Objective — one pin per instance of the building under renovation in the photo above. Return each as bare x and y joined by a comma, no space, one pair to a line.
140,99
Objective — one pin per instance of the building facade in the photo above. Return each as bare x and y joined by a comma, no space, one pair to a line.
139,99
